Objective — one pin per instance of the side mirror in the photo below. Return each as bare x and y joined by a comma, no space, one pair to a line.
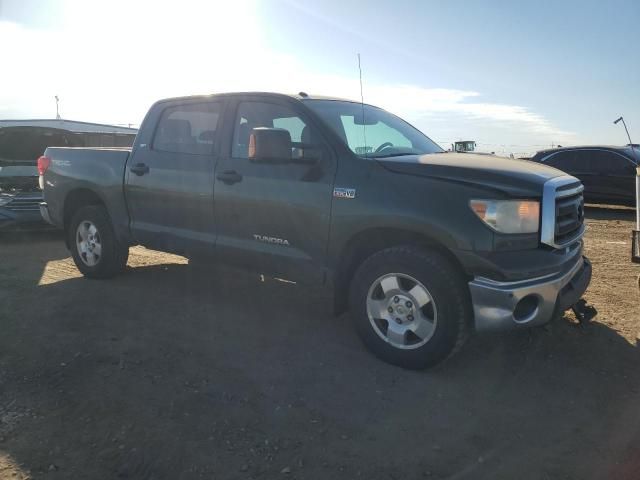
306,154
270,145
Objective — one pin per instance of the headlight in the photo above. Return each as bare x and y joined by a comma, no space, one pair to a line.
508,216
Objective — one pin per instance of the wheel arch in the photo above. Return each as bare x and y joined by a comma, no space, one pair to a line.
75,200
367,242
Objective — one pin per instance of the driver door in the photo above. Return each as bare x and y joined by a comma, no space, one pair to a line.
274,217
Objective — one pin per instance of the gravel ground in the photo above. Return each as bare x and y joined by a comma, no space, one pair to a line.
173,372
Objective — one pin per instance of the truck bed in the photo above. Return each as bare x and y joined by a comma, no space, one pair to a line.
98,170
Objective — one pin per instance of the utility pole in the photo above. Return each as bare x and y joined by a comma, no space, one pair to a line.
57,109
633,150
635,235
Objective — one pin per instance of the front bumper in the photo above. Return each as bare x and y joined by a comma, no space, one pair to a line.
530,302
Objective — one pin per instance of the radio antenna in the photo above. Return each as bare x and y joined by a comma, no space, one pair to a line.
364,126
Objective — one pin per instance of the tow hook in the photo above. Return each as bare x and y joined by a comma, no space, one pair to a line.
583,312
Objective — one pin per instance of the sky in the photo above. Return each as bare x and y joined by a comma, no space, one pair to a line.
515,76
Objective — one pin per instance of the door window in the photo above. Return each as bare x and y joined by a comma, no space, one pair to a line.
294,125
569,161
259,114
608,163
189,128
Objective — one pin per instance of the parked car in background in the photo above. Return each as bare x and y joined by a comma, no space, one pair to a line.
607,173
22,142
20,195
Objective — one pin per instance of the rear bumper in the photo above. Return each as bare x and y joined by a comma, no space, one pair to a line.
44,213
530,302
10,219
20,210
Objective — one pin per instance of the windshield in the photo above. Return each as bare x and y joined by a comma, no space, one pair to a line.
376,134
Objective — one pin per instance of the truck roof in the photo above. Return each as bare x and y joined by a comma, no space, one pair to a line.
297,96
622,149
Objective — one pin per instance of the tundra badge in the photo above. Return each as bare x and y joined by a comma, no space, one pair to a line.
344,192
274,240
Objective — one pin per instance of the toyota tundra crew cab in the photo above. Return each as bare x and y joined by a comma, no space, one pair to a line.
420,245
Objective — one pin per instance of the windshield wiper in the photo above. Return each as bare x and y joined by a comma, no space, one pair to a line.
394,155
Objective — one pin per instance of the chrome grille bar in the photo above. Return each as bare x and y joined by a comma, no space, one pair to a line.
562,212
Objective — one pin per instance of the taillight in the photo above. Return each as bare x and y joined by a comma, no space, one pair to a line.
43,164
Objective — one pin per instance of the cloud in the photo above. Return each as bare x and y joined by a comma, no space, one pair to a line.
418,104
108,75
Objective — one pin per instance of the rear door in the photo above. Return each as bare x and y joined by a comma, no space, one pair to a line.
169,180
274,217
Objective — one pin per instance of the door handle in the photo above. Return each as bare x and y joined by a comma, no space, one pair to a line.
229,177
139,169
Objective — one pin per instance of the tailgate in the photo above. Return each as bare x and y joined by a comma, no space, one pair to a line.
89,163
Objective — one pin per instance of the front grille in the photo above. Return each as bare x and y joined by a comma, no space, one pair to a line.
562,212
25,203
569,217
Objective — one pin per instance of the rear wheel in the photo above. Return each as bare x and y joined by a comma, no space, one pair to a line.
410,306
94,246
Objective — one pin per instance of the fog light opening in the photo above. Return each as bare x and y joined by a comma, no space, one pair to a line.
526,308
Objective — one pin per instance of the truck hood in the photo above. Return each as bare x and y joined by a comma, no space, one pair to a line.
512,177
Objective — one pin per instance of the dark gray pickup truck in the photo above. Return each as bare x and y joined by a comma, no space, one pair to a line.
422,246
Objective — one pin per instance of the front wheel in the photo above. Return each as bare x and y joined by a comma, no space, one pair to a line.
410,307
93,243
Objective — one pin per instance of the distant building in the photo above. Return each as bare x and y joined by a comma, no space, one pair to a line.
89,134
23,141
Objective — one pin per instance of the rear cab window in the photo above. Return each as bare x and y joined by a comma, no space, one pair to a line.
189,128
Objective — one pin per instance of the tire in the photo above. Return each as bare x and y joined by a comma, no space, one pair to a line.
424,314
90,228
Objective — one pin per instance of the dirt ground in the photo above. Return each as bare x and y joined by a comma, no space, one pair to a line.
171,372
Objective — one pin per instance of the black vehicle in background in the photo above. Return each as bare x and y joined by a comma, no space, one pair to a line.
20,147
607,173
